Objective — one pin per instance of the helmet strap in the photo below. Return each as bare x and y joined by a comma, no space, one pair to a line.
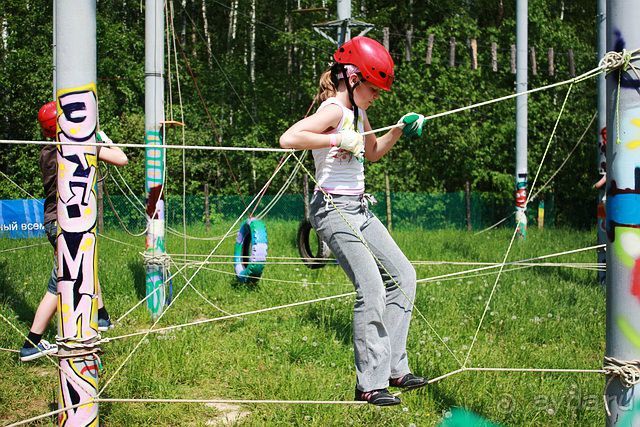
353,103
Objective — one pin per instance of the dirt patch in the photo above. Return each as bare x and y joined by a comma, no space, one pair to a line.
229,414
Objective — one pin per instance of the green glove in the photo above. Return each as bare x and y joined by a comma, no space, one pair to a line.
412,124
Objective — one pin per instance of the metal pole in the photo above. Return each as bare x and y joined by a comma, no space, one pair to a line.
77,313
623,213
521,116
154,157
344,15
602,129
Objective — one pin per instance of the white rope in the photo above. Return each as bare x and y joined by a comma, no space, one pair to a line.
169,146
627,371
23,247
49,414
156,259
188,281
237,401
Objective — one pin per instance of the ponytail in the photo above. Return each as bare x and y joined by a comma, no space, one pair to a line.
327,87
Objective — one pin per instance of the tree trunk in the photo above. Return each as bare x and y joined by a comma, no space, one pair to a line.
205,28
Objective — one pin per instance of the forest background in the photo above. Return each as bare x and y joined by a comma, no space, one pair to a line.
248,69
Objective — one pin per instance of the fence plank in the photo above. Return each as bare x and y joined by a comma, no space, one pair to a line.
494,56
452,52
474,54
572,64
429,49
534,64
385,37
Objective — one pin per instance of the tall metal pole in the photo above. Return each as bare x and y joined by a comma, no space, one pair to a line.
623,213
154,157
344,15
77,312
601,20
521,116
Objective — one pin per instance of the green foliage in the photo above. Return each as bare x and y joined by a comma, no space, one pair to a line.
222,106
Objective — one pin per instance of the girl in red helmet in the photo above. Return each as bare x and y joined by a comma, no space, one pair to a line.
34,346
384,279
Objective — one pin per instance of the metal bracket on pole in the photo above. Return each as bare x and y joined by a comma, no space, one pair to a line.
341,25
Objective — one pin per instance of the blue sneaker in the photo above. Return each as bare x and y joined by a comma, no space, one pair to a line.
43,348
104,324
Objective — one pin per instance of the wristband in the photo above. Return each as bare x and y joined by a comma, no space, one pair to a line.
333,140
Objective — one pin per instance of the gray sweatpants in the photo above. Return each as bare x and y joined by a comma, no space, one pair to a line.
382,311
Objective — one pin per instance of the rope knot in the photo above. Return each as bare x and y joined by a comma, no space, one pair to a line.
628,371
159,259
617,60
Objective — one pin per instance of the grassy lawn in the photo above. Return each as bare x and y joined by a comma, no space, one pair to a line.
542,317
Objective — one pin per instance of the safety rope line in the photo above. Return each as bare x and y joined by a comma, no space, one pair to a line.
232,316
181,290
237,401
267,279
51,413
362,240
515,231
23,247
430,279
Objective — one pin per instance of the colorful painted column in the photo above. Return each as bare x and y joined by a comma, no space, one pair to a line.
77,250
602,137
623,212
522,52
154,157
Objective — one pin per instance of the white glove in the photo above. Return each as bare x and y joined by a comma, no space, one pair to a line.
353,142
102,137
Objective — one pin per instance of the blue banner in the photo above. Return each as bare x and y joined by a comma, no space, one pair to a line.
21,219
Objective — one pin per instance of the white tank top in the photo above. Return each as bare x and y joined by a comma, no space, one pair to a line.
337,170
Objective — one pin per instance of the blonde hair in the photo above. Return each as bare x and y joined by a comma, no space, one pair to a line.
326,87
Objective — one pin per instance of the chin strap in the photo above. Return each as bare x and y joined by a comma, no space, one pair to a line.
350,92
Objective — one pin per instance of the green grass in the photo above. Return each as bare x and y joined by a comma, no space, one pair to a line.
539,317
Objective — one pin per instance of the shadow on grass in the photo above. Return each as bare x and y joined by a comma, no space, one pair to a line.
14,298
139,278
570,275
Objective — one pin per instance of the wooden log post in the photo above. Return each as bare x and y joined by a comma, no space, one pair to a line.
534,64
572,63
429,49
467,196
452,52
494,57
513,59
407,46
550,59
388,201
385,37
207,221
473,44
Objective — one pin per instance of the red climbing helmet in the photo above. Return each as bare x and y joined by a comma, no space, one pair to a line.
47,117
371,58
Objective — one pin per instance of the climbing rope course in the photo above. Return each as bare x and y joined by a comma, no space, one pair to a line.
188,265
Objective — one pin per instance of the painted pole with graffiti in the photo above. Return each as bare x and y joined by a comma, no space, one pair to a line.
623,215
155,259
521,116
77,251
602,137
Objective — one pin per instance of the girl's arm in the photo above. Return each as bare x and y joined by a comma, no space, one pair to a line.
112,155
309,133
375,148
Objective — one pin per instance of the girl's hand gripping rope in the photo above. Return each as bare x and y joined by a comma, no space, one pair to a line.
412,124
102,137
353,142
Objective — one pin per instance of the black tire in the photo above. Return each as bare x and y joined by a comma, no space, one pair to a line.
305,250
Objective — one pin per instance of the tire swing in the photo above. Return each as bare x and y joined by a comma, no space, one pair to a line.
309,258
250,253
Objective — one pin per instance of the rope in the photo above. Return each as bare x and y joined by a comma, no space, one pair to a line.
181,290
169,146
626,371
239,401
24,247
156,259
